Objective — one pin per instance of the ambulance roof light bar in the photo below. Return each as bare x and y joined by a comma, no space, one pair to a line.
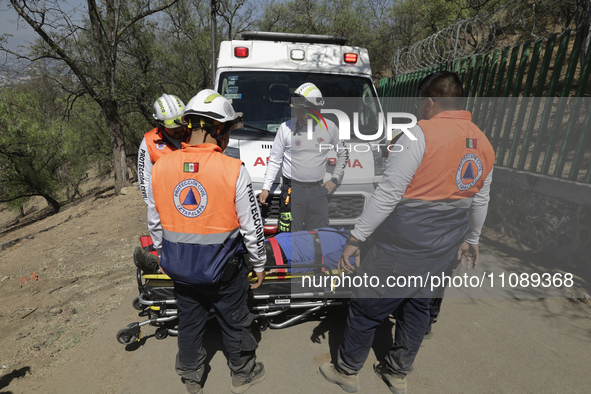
290,37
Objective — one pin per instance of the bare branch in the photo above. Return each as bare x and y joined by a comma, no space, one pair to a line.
143,15
59,50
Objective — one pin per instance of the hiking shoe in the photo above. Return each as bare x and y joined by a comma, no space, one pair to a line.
192,386
145,261
240,385
396,384
349,383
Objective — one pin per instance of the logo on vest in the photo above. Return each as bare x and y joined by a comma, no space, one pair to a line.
160,145
469,171
190,198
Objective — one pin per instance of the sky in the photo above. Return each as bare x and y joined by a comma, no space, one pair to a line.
21,32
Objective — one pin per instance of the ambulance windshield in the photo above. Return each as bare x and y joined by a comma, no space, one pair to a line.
264,97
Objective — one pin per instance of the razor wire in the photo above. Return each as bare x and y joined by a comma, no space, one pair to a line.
472,36
463,38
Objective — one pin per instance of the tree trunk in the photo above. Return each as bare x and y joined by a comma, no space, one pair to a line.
114,125
586,32
51,201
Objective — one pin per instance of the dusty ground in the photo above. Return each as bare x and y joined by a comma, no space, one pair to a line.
60,277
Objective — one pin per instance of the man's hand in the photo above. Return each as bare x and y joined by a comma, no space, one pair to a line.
350,251
330,185
260,278
263,197
468,254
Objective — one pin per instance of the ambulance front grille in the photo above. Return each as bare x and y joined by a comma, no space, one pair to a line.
339,207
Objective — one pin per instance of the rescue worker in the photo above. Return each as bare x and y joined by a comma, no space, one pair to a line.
304,195
208,217
165,138
429,208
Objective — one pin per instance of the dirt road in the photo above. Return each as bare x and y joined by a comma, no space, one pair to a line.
58,332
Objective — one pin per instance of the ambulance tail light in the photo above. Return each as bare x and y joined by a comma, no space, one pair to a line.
241,52
350,58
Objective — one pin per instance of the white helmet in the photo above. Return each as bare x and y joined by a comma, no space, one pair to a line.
307,94
210,104
168,110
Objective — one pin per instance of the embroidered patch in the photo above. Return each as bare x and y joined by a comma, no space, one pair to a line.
191,167
469,171
190,198
297,143
160,145
471,143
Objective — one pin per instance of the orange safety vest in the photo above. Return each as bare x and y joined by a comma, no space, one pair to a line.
156,145
432,217
194,191
461,171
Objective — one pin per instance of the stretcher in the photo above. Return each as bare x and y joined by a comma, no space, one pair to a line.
274,304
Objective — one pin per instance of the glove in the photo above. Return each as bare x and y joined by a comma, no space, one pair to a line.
145,261
284,225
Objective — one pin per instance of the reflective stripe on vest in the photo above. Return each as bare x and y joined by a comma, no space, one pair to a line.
156,146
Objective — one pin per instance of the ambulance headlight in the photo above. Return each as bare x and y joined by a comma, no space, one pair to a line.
232,152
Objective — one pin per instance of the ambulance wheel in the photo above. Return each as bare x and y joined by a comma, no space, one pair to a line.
129,334
137,305
161,333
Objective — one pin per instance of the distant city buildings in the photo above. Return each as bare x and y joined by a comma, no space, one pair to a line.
13,70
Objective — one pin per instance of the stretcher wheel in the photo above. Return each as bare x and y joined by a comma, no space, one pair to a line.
161,333
137,305
129,334
263,324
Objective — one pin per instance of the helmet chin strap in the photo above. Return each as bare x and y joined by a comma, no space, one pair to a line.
213,133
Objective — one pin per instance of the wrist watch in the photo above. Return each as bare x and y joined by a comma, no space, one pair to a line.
353,243
335,180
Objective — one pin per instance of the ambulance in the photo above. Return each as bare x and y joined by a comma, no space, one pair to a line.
258,73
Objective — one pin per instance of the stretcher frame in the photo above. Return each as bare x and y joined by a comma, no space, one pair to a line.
270,304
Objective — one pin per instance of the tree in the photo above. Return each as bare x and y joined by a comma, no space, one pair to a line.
90,50
39,155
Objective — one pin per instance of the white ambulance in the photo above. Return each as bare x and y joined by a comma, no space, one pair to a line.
258,74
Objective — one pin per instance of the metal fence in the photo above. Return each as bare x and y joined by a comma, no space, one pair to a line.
531,100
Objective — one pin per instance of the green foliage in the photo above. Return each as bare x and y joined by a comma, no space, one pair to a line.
378,25
41,154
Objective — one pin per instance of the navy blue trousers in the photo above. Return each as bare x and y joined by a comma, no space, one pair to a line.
370,307
366,314
229,299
